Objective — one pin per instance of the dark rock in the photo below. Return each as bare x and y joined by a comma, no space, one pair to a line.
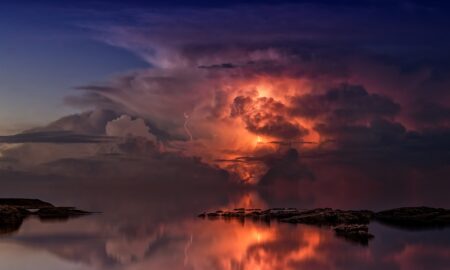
11,219
328,216
14,211
24,203
60,213
234,214
253,214
358,233
319,216
415,217
213,215
280,213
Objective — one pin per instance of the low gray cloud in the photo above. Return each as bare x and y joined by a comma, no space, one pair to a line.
59,137
90,122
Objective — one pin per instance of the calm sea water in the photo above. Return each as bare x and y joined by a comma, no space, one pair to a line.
150,228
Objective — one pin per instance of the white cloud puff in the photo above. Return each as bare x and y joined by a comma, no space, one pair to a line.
125,126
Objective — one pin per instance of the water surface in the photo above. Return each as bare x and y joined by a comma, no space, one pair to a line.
151,229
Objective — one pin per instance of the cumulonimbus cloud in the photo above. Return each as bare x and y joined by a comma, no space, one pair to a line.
246,83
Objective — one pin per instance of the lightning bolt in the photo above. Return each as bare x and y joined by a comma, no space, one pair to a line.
186,121
186,249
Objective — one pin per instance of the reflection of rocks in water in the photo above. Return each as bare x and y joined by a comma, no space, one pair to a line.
358,233
14,211
10,219
415,217
351,225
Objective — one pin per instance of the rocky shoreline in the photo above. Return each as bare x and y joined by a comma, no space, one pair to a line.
14,211
351,225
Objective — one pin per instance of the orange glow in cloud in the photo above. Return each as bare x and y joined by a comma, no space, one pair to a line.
253,134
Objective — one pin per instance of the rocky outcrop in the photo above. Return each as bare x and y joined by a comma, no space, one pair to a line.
14,211
319,216
11,219
349,224
24,203
415,217
59,213
358,233
328,216
352,225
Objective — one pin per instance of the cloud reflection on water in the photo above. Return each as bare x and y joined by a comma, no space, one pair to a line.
140,233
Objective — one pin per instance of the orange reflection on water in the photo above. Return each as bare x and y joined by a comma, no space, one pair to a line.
312,240
232,245
264,257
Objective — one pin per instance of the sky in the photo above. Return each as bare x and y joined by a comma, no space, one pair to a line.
266,92
47,48
44,56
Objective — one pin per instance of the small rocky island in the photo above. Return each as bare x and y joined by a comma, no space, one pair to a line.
352,225
14,211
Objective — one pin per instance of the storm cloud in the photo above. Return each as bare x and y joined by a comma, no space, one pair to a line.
232,88
346,103
265,116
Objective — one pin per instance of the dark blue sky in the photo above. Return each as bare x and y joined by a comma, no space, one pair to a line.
43,56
